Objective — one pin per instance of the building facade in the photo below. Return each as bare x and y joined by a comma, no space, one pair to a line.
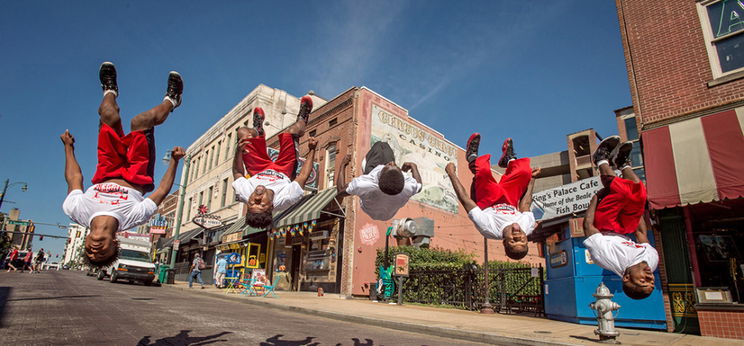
685,64
75,238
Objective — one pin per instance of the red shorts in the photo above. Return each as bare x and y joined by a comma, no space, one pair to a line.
620,211
486,192
257,159
130,157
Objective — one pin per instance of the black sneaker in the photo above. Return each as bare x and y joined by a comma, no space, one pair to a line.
306,106
621,154
507,153
605,148
175,89
107,75
471,149
258,120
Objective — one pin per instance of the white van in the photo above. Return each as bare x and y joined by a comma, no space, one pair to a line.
133,264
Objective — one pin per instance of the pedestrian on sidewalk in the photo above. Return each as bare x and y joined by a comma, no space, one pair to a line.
221,271
27,261
196,267
12,257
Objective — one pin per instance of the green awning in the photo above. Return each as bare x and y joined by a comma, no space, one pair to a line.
241,226
309,210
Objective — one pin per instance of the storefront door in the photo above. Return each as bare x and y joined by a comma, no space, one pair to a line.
679,276
295,267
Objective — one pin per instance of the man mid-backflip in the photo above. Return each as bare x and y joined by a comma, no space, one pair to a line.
383,188
499,210
271,185
124,172
615,211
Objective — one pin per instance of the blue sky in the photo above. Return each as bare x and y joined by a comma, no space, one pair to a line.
531,70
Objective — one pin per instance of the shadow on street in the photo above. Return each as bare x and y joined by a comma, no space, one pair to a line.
308,341
4,294
183,338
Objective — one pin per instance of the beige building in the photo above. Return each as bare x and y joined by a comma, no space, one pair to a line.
208,179
75,238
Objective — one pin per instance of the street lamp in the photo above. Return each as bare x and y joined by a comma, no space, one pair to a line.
181,197
8,184
486,308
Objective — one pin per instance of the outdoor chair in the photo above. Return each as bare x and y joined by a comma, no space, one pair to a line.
248,287
233,283
268,289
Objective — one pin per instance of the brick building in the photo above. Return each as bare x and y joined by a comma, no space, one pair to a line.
685,64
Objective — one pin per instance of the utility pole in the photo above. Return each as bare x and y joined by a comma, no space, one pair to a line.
179,212
8,184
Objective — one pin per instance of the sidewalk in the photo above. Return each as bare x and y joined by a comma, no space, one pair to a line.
452,323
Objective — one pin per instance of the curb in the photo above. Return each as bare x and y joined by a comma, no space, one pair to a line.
474,336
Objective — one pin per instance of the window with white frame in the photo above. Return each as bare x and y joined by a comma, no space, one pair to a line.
636,156
723,29
330,165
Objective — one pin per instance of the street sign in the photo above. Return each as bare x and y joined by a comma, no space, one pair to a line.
176,243
207,221
401,265
18,222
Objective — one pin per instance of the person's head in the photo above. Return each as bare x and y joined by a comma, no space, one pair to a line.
260,206
101,246
638,281
515,242
197,255
391,179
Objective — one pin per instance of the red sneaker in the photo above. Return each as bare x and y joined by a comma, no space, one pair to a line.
306,106
471,149
507,153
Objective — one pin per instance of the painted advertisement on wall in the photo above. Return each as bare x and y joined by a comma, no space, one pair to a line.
412,143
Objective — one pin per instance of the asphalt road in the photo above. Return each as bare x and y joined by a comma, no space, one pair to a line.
67,307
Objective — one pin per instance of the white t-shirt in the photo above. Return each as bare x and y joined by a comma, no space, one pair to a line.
377,204
616,252
491,221
286,192
125,204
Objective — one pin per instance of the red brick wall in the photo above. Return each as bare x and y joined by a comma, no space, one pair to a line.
722,324
667,62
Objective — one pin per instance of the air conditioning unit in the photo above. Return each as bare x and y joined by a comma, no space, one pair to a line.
420,230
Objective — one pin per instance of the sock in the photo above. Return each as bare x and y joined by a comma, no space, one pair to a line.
172,101
602,162
109,91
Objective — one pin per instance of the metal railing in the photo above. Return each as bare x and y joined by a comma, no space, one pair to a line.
511,290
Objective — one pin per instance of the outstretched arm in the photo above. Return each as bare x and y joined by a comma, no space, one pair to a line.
341,184
465,200
170,175
73,174
589,228
307,167
410,166
641,232
526,202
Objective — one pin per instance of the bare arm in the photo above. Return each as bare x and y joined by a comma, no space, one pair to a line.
170,175
526,202
307,168
238,169
410,166
73,174
589,228
641,232
462,195
341,184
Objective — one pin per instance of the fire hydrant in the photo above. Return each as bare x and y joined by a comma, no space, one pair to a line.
604,307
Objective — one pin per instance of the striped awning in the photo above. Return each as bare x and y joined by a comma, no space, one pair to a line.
309,209
695,161
241,226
